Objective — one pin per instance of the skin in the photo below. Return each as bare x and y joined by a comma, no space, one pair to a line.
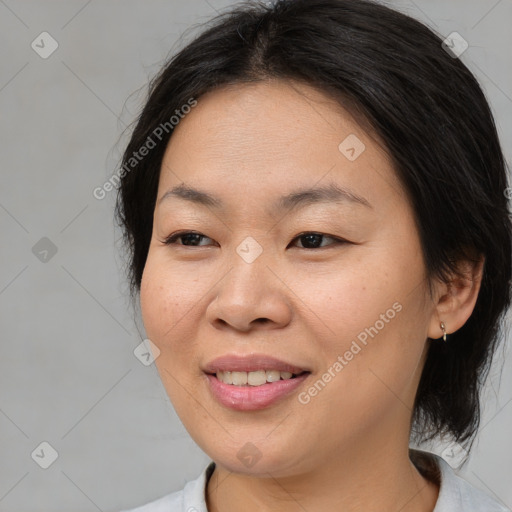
347,449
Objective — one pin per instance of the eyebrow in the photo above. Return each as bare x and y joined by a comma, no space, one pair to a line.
331,193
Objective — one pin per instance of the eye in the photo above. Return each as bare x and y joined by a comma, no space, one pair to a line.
309,239
188,237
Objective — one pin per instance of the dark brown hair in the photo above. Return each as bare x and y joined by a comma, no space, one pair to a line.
436,125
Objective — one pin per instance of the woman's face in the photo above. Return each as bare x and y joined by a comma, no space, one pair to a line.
347,302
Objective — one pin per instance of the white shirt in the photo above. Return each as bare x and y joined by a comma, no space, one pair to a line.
455,493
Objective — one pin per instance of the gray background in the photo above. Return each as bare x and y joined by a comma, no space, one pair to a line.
68,374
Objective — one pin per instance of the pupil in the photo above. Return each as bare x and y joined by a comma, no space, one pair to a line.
187,237
310,242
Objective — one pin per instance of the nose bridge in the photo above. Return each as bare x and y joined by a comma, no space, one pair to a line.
250,290
249,274
250,250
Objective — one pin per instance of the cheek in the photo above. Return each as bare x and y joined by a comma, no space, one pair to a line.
374,316
374,294
341,299
169,301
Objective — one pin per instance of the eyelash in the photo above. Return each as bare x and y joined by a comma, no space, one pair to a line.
170,240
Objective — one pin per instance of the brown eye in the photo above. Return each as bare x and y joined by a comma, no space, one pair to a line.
311,240
189,238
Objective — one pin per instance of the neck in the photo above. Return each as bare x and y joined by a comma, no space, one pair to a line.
372,478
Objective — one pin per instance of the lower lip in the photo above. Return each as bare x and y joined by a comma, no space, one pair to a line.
252,398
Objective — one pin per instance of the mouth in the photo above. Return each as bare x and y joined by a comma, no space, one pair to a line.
255,378
253,382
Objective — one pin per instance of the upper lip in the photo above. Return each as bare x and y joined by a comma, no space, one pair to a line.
250,363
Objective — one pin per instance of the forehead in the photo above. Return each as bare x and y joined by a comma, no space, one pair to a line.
270,136
265,114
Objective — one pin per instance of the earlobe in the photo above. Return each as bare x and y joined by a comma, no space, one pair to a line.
457,300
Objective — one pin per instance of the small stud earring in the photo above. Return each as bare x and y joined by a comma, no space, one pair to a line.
443,327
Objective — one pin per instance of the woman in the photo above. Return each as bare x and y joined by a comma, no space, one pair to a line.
314,204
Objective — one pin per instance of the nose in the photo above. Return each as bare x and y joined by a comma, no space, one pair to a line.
250,296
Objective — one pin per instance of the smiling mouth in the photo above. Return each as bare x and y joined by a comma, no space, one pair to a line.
254,378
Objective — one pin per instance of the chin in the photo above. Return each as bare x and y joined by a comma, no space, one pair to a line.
259,461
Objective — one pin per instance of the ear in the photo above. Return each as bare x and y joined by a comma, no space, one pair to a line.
456,299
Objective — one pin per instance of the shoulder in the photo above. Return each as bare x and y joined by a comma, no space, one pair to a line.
189,499
455,493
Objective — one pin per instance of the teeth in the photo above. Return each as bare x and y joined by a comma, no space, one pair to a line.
239,378
273,375
257,378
